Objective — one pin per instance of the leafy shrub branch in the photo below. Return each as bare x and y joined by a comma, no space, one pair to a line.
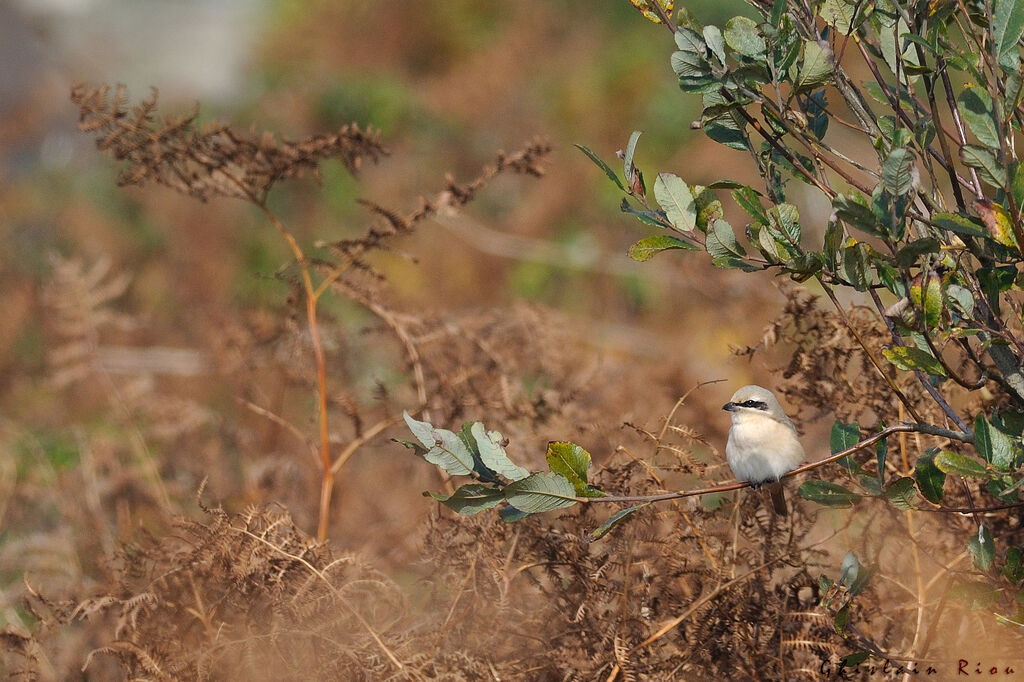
927,237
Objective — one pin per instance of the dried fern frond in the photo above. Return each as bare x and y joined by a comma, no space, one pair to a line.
215,160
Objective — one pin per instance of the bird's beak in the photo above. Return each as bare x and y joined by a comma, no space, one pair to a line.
729,407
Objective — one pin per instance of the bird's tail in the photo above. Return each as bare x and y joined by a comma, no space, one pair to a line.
778,497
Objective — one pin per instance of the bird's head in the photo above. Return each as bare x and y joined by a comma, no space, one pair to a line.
754,402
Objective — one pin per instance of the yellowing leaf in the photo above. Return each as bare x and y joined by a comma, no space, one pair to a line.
647,7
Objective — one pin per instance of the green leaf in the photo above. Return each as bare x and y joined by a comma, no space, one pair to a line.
726,131
689,41
741,35
646,217
985,161
677,200
929,477
748,200
982,548
959,224
902,494
960,299
898,172
909,254
645,249
995,281
913,359
721,241
784,218
842,15
545,491
627,158
828,494
510,514
1007,26
844,436
444,448
614,520
1013,569
492,452
978,596
715,41
841,619
849,570
976,109
471,498
928,298
602,165
816,67
856,214
571,461
851,661
994,446
856,265
954,463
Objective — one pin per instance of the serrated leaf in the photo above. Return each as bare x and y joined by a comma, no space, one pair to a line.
615,519
676,199
913,359
982,548
571,461
902,494
930,479
844,436
817,65
541,492
627,158
828,494
954,463
742,35
985,162
493,454
646,248
994,446
471,498
721,241
976,109
599,162
898,172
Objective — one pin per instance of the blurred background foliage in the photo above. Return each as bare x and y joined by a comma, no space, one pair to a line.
448,83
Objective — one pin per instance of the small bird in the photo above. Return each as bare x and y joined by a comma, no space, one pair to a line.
762,441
